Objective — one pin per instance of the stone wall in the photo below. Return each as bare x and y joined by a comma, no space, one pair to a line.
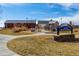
65,38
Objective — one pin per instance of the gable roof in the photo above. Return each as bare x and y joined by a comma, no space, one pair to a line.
20,21
43,22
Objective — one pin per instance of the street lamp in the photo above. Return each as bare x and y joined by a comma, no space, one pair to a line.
61,20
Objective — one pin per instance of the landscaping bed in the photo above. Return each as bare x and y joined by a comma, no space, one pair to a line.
43,45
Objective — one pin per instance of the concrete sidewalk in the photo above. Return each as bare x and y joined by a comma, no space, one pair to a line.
4,51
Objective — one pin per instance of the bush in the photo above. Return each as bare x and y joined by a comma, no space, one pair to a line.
23,29
17,30
76,30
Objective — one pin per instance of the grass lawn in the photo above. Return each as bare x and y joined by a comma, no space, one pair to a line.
10,32
43,45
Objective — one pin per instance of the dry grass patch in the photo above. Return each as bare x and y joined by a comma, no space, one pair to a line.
11,32
43,45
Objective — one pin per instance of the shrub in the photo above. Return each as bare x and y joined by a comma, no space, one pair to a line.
16,30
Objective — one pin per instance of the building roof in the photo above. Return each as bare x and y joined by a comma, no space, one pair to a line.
20,21
43,22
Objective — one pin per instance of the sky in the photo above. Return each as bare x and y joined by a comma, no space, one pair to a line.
39,11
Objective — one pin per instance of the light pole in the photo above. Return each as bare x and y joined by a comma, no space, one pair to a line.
61,20
73,23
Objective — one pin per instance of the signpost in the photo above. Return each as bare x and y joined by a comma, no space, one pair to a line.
64,37
64,27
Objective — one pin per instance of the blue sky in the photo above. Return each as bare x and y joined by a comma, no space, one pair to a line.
39,11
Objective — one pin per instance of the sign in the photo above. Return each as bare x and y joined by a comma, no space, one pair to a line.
64,26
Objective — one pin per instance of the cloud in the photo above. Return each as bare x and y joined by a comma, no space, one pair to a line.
75,6
50,5
2,23
13,4
38,12
64,9
74,19
66,4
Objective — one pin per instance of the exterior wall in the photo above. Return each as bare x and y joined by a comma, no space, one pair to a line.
54,25
9,25
41,26
49,26
31,25
12,25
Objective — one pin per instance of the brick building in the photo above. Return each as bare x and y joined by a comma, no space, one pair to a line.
20,23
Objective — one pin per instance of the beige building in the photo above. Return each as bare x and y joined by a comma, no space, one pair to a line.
53,24
48,25
42,24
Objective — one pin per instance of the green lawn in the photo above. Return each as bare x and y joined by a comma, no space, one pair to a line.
43,45
11,32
